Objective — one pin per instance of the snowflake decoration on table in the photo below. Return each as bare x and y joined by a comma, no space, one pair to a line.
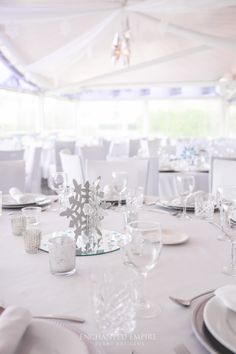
189,153
85,212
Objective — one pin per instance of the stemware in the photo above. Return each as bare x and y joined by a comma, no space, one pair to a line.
184,185
224,194
59,185
229,223
142,253
120,181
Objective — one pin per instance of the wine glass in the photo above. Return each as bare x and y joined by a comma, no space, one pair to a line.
229,223
120,181
224,194
142,253
184,185
59,185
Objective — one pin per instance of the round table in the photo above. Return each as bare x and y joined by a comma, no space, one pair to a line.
183,271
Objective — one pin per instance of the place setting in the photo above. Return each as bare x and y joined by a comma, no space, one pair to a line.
18,200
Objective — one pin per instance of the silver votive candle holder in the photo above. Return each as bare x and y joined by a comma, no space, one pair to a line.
18,224
32,215
32,238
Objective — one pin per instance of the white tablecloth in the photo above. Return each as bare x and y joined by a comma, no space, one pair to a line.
184,270
167,184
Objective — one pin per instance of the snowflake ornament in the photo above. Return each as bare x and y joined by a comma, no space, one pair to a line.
85,213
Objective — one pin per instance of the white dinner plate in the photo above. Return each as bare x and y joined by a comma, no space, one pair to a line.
9,202
201,332
221,323
47,337
174,203
173,237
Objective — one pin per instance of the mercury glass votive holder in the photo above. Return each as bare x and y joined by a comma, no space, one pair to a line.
62,252
32,215
32,238
18,224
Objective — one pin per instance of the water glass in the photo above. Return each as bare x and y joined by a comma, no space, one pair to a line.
225,195
204,205
62,252
18,224
135,196
32,215
114,301
32,238
130,215
120,181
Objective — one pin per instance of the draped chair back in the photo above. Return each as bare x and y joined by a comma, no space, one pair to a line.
72,166
12,174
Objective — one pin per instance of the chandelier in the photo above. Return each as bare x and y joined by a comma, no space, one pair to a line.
121,46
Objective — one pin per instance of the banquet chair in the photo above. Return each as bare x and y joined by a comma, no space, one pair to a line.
141,172
12,174
154,147
134,146
118,150
61,145
93,152
222,173
33,170
11,155
106,145
72,166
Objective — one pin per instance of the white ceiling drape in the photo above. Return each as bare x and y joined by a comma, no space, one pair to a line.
66,46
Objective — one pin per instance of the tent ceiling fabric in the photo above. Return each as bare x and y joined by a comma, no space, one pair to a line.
65,46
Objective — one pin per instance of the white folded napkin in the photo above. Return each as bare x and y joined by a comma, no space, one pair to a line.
109,193
227,294
19,197
13,323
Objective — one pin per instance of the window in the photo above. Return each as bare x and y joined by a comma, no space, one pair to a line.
176,118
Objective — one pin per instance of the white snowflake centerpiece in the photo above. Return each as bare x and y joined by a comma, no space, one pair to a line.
85,212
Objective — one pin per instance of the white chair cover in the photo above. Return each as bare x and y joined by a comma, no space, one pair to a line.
154,147
152,181
33,170
62,145
223,172
72,166
11,155
137,170
12,175
134,146
94,152
119,149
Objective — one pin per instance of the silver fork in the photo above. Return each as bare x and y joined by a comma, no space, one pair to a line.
188,302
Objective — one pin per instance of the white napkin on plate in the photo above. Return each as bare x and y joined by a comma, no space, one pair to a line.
227,294
20,197
13,323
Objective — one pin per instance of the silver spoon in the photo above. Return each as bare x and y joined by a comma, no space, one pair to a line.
188,302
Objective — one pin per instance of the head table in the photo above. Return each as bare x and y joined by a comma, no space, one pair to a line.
183,270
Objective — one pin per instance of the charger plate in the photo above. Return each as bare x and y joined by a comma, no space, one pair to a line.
33,199
111,242
200,330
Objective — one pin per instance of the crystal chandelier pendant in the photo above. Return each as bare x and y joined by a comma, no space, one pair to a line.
121,46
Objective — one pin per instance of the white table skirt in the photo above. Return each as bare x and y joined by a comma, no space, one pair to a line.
167,184
184,270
